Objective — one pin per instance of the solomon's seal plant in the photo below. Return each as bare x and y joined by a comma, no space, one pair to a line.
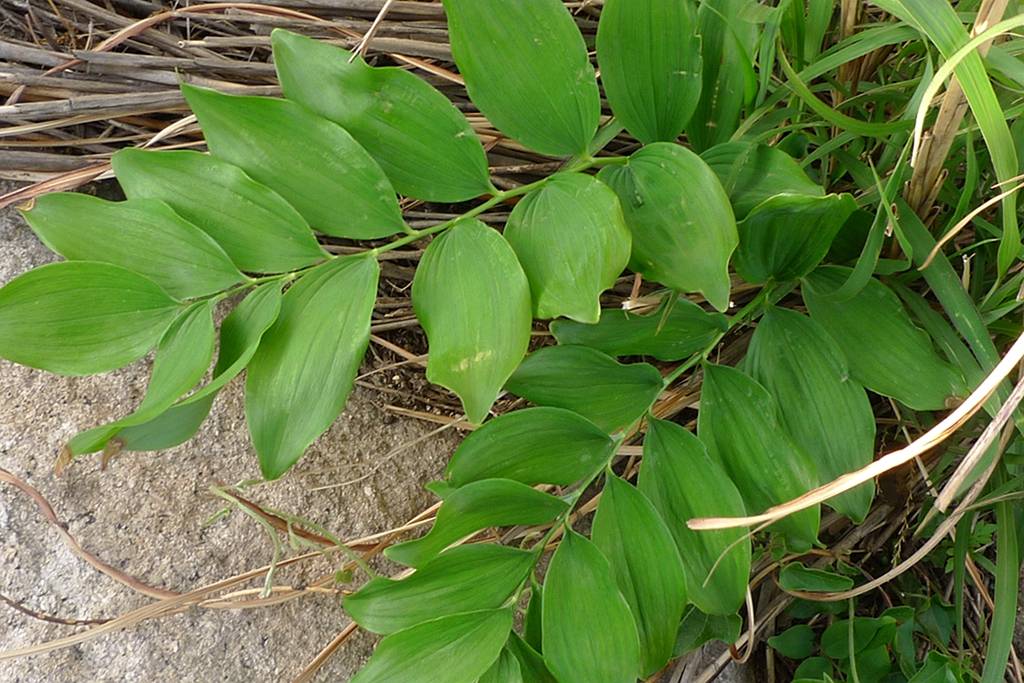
741,240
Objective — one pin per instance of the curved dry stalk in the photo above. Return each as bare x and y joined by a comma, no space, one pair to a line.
933,437
51,517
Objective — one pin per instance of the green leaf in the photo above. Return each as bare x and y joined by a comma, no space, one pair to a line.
698,628
867,634
683,227
531,664
937,668
463,579
739,425
909,370
175,426
533,446
310,161
589,633
683,482
240,335
506,669
728,41
142,235
473,300
825,412
796,577
787,235
476,506
752,172
584,380
796,642
650,59
254,225
63,318
815,668
182,359
646,566
534,83
423,143
463,646
572,242
676,331
302,373
533,619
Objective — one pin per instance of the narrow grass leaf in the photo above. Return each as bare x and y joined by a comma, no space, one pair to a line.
827,413
424,144
677,330
738,422
463,579
650,59
462,646
534,446
572,242
254,225
142,235
535,83
63,319
908,369
303,371
646,566
683,482
588,382
683,227
312,162
476,506
589,632
473,300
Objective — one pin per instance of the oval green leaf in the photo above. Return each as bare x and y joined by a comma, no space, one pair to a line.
302,373
796,642
646,565
534,83
908,369
424,144
506,669
677,330
796,577
787,235
683,227
312,162
683,482
142,235
572,242
649,53
584,380
827,413
182,358
473,300
463,646
477,506
533,446
463,579
240,335
589,632
254,225
739,425
753,172
62,318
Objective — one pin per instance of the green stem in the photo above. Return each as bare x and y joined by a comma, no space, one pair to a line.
744,314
